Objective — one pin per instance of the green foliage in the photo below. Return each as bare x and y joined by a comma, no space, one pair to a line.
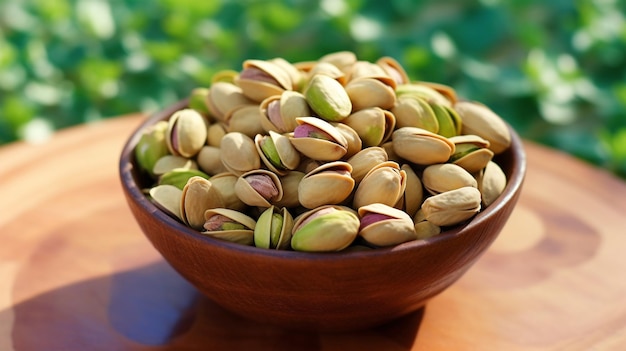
556,70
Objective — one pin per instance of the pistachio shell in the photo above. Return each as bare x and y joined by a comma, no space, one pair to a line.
448,92
482,121
277,152
373,125
186,133
452,207
393,69
365,69
261,79
340,59
366,159
354,142
239,228
324,142
198,196
444,177
279,112
167,198
238,153
225,76
423,228
215,133
370,92
329,184
224,184
151,146
330,70
415,112
259,188
324,229
225,97
179,177
328,98
491,183
209,160
383,225
245,119
448,120
273,229
471,152
413,193
420,146
290,183
384,183
170,162
422,91
296,76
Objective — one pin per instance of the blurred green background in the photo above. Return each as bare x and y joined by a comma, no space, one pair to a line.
555,70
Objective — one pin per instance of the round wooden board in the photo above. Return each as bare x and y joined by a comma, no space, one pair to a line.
78,274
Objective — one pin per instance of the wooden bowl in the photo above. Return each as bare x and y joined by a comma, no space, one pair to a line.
320,291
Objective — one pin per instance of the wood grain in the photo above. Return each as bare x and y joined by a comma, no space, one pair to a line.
77,272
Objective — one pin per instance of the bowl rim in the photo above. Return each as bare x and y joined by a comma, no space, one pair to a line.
134,193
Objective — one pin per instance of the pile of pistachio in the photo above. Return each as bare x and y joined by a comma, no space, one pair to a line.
326,155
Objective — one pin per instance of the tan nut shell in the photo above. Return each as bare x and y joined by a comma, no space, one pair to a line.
238,153
443,177
289,156
365,69
167,198
415,112
319,149
258,90
491,183
413,193
366,159
393,69
328,184
262,231
422,91
373,125
198,196
452,207
387,232
250,196
245,119
224,184
292,105
480,120
186,133
369,92
290,183
471,152
209,160
170,162
241,236
384,183
354,142
223,98
420,146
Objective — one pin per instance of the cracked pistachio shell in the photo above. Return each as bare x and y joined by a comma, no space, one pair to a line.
290,183
215,133
279,112
209,161
373,125
226,76
413,193
340,59
491,183
393,69
224,184
415,112
167,198
238,153
369,92
423,228
296,76
225,97
325,229
186,133
365,160
383,225
391,154
170,162
365,69
151,146
480,120
273,229
452,207
354,142
471,152
422,91
384,183
179,177
198,196
245,119
445,90
330,70
443,177
261,79
328,184
448,120
229,225
277,152
323,142
259,187
420,146
328,98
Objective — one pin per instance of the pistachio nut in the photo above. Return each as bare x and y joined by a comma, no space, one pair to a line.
277,152
318,139
209,160
215,133
170,162
198,101
445,90
223,98
413,193
328,184
423,228
198,196
224,185
384,183
186,133
296,76
340,59
415,112
373,125
369,92
383,225
330,70
238,153
179,177
470,152
439,178
279,112
290,183
491,183
167,198
452,207
246,119
365,69
324,229
366,159
420,146
422,91
273,229
225,76
480,120
447,119
393,69
354,142
151,146
229,225
260,79
259,187
328,98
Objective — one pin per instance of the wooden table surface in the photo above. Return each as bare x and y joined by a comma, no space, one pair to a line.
78,274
